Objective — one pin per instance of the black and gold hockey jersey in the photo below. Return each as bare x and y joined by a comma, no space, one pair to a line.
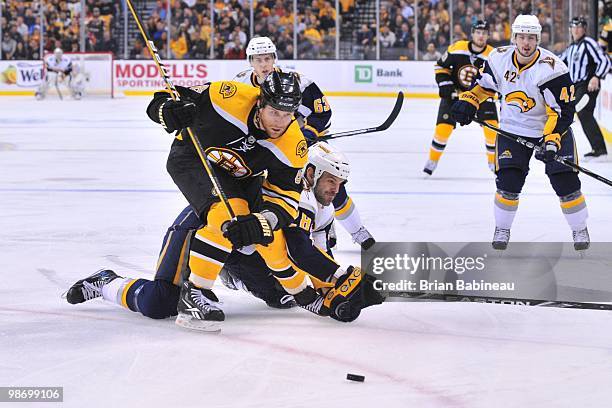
314,108
460,64
224,124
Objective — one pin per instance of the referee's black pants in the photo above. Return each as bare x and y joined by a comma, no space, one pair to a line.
587,120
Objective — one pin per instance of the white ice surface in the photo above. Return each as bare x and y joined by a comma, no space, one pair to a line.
83,185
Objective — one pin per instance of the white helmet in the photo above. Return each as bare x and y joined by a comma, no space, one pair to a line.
260,46
58,53
526,24
325,158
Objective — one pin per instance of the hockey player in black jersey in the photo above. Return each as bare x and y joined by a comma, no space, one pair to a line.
314,117
455,71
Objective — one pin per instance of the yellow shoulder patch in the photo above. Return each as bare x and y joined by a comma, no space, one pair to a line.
233,98
487,50
461,45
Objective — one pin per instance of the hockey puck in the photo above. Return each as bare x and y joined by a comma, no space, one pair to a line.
355,377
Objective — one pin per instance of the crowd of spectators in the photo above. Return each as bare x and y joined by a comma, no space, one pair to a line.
406,32
21,27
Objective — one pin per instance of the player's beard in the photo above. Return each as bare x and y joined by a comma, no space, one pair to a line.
323,197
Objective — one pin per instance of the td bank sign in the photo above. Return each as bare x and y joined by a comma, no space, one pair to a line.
367,73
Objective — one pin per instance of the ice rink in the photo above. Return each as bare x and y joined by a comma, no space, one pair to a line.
83,185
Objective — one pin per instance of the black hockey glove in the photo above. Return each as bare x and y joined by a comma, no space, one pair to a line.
249,229
550,148
346,299
463,112
446,91
176,115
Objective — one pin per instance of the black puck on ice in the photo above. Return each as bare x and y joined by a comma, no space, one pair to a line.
355,377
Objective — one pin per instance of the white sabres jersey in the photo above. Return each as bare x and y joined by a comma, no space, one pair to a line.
62,64
529,95
323,217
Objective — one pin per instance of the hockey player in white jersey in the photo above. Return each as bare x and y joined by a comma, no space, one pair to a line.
537,102
314,116
60,71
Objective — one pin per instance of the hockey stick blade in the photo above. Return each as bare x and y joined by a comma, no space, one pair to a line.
394,113
500,300
384,126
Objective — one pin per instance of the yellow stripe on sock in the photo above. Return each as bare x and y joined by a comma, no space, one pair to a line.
573,203
126,288
505,201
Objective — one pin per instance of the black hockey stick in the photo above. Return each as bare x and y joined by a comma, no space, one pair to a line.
386,124
163,71
538,149
499,300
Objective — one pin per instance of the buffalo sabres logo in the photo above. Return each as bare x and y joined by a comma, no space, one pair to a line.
548,60
229,161
227,90
520,100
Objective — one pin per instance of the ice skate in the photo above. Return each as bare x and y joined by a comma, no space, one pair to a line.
500,238
430,166
198,309
581,239
90,287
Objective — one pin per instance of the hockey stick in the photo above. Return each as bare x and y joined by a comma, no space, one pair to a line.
59,93
499,300
385,125
175,96
538,149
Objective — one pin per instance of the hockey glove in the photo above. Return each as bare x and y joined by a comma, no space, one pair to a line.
463,112
176,115
346,299
550,147
249,229
446,91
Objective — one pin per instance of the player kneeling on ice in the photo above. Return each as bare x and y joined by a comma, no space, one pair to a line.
60,71
537,102
314,117
341,294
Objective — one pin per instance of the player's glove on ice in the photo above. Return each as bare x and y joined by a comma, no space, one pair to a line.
249,229
446,91
550,147
176,115
346,299
463,112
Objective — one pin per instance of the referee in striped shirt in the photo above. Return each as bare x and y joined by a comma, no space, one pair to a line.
587,64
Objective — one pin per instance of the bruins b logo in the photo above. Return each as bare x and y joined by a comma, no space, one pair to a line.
466,74
230,161
227,90
520,100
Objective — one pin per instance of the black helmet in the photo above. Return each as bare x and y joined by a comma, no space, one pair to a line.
281,90
480,25
578,22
